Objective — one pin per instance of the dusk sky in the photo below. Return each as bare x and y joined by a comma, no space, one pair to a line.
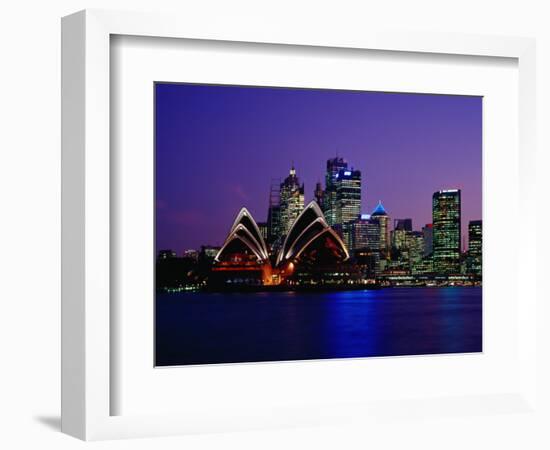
218,147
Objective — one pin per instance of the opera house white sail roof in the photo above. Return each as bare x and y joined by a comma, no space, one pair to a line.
309,233
244,235
308,228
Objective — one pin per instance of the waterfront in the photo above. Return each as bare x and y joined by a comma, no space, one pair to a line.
205,328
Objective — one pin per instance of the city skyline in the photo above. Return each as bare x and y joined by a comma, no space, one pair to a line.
198,191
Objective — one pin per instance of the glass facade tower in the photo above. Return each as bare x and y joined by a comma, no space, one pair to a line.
348,202
475,237
475,245
274,214
360,232
428,232
334,166
446,212
381,216
292,200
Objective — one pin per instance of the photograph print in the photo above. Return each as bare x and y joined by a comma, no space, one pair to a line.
309,224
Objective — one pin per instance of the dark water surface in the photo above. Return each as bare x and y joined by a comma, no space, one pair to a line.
203,328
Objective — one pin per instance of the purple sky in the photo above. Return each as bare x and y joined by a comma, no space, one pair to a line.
218,147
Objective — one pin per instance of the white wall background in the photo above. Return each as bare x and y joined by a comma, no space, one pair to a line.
30,198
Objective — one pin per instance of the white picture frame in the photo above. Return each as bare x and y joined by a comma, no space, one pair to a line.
86,220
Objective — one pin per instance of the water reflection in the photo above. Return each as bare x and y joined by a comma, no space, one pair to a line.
200,328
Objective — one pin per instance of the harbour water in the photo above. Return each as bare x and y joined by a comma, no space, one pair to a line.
207,328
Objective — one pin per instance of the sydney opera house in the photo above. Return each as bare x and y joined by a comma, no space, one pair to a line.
311,253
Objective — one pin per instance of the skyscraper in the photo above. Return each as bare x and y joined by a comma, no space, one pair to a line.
373,244
381,216
475,245
407,245
365,234
475,237
274,213
292,200
415,247
399,233
360,232
373,234
446,210
334,166
348,201
428,232
348,196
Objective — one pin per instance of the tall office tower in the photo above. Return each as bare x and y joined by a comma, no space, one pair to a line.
274,213
415,247
475,244
334,166
381,216
348,201
359,232
428,232
348,196
398,235
292,200
475,237
446,231
366,244
319,195
373,243
373,234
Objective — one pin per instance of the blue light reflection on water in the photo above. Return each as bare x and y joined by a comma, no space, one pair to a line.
201,328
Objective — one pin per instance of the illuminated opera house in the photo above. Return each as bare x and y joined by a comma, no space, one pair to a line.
311,253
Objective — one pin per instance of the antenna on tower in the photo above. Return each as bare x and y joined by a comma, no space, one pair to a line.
292,169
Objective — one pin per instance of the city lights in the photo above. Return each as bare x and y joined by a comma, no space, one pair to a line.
330,242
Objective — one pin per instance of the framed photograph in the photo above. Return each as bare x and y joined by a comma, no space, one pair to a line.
265,228
278,265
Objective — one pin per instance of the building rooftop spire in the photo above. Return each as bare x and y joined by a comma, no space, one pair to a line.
379,210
